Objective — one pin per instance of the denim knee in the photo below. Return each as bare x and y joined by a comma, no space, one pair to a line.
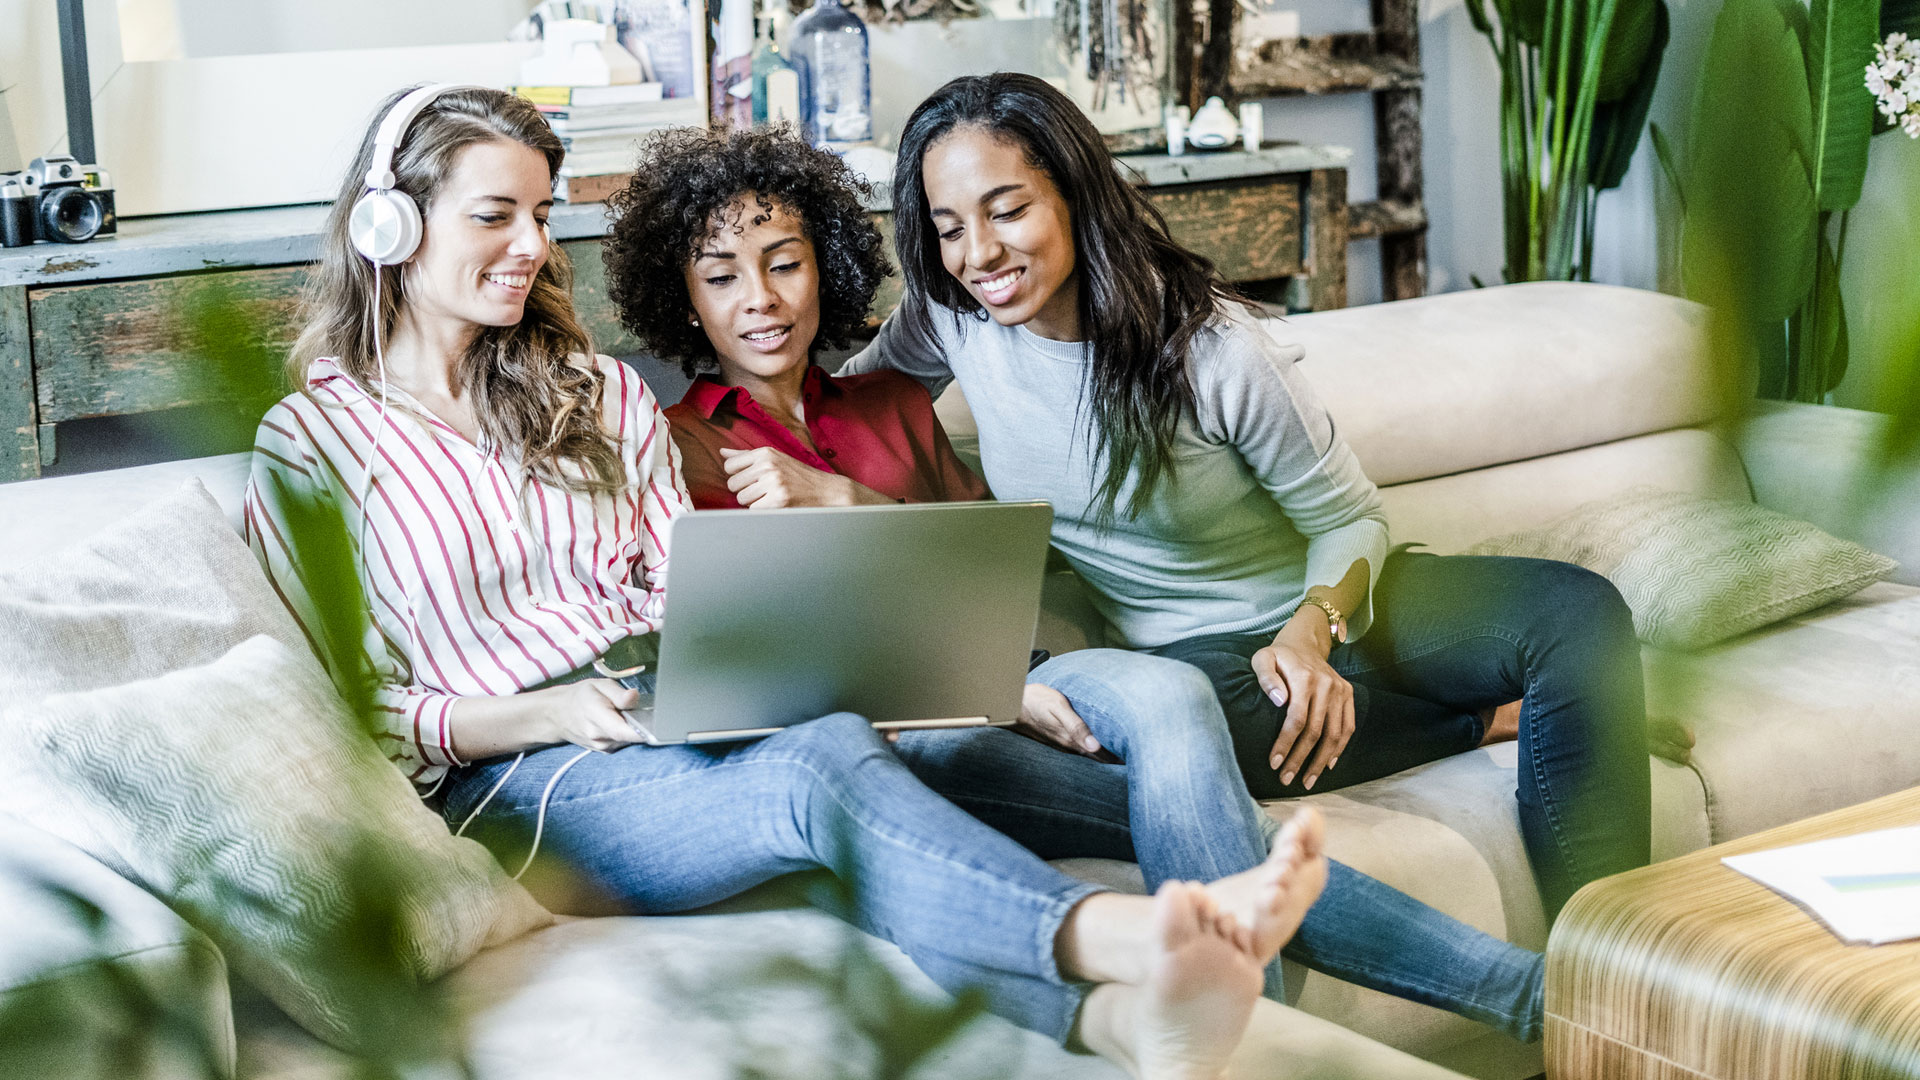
832,740
1163,683
1572,605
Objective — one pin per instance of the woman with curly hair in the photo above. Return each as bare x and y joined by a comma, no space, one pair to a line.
509,495
737,254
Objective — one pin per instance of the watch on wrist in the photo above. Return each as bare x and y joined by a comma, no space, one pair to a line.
1336,619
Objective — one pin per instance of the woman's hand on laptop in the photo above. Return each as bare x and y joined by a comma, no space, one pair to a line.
586,714
766,479
1046,715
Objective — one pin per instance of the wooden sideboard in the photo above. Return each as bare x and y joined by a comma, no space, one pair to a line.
104,328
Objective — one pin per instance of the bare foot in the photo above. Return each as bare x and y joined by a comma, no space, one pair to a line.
1502,723
1199,994
1295,871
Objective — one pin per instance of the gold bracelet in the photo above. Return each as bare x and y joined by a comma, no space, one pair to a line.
1336,619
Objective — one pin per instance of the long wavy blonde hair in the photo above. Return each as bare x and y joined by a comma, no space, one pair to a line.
529,395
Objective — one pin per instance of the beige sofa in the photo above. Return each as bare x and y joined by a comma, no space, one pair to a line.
1479,413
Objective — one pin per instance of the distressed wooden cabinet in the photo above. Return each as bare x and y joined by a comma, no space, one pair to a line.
117,327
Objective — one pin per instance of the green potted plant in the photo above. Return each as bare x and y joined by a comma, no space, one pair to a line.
1576,81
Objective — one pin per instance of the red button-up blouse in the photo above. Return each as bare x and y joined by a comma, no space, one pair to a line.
876,429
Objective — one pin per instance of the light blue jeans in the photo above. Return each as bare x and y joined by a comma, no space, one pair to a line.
942,838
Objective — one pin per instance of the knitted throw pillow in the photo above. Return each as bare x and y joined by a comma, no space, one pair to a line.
1698,571
243,793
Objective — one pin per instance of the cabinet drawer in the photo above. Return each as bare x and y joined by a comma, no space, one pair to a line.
124,347
1252,230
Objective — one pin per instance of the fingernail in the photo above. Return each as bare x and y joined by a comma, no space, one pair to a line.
1286,778
1273,763
1310,780
1332,763
1277,698
1090,743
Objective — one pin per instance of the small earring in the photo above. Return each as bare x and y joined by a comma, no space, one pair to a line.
696,322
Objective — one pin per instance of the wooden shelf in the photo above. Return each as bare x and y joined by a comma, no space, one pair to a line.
1334,63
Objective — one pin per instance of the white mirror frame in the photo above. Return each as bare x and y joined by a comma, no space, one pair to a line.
229,132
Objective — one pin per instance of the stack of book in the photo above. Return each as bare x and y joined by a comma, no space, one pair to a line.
601,127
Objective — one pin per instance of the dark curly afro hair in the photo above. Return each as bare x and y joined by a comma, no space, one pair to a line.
685,178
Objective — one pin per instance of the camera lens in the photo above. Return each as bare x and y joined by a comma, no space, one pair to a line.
69,215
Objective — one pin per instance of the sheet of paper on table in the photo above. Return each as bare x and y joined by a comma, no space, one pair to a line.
1866,888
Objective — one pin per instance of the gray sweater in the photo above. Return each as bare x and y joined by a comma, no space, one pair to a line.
1265,498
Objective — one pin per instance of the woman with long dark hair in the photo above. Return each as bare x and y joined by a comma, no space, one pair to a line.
509,494
1203,493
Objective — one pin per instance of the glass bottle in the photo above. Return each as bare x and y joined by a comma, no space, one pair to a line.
828,46
776,84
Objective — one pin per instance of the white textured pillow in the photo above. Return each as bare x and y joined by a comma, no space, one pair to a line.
242,792
1698,571
169,586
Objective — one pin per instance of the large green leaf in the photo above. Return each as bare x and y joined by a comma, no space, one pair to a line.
1747,244
1629,41
1617,124
1840,41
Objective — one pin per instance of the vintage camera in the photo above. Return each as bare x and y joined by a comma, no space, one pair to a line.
56,199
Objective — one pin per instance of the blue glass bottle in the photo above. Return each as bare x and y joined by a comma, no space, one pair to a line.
828,46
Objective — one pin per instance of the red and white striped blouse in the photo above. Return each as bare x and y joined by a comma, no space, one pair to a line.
480,579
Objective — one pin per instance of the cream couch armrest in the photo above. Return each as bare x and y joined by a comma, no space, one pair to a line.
50,959
1814,462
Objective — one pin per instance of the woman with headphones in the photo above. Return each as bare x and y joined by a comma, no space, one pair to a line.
509,494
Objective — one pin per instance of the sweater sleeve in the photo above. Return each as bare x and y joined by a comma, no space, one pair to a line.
898,348
1251,394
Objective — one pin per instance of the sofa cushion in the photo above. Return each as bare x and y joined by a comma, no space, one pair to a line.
1447,383
1448,834
1821,463
245,793
167,586
712,996
1451,513
38,517
139,955
1813,713
1699,571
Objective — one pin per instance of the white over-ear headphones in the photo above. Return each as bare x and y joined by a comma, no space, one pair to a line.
385,224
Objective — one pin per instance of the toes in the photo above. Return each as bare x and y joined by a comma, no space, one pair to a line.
1173,916
1312,832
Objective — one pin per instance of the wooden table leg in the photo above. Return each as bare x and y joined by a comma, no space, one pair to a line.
1327,239
19,422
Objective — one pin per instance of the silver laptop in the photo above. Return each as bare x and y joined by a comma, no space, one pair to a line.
910,615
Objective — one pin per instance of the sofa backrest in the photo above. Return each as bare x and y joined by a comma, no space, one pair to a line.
39,516
1479,412
1444,384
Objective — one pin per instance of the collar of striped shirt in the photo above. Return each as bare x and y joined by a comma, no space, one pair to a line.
479,580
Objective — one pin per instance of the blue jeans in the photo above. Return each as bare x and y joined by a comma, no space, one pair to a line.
677,827
673,828
1178,807
1456,634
